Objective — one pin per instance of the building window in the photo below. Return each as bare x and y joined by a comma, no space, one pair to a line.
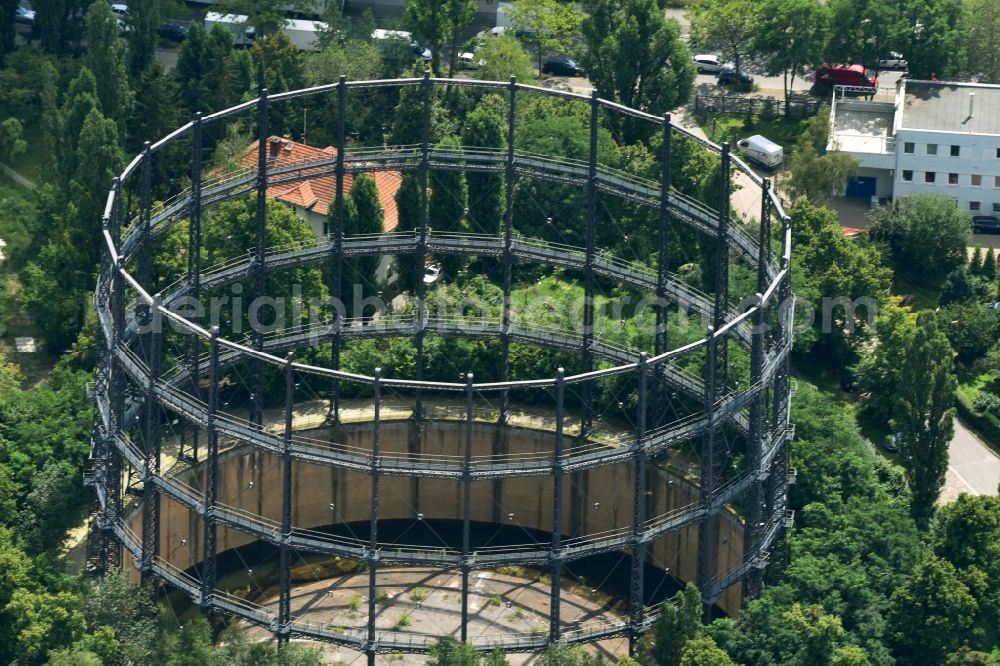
974,205
996,207
908,148
953,179
996,181
955,151
932,149
929,176
907,175
998,152
975,180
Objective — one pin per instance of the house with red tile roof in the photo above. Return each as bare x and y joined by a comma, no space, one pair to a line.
312,199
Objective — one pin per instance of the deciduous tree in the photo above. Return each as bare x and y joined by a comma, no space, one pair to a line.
548,24
107,55
728,25
929,614
677,625
503,57
792,36
926,234
815,174
635,56
429,19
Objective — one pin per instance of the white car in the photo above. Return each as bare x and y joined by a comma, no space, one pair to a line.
892,61
709,64
432,274
469,59
23,15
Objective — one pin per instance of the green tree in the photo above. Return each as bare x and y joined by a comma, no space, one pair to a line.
958,287
980,25
447,206
459,15
930,613
16,574
7,33
429,19
704,652
635,56
43,621
12,141
144,18
128,612
107,55
486,127
157,113
548,24
449,652
408,202
57,25
363,215
923,413
188,69
503,57
989,269
926,234
792,35
845,280
495,658
929,35
74,657
677,625
51,507
863,30
972,328
730,26
815,174
81,99
975,265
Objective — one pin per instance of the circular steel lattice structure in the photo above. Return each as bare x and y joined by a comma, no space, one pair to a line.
159,368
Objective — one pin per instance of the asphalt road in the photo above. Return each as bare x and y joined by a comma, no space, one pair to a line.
973,467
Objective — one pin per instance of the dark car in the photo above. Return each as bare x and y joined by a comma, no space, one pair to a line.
173,32
740,80
561,66
985,224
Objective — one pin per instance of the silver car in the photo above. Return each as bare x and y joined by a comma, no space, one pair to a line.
708,64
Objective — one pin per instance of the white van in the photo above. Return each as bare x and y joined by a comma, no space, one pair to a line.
762,151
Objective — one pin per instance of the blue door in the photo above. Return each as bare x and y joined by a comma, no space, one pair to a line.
862,186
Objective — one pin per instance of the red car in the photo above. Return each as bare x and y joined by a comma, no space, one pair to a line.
845,75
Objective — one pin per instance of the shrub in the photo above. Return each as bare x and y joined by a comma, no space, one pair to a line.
987,403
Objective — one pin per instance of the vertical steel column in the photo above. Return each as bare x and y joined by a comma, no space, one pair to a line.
662,277
285,572
722,268
556,555
586,413
508,239
111,553
337,251
151,448
759,435
194,270
637,597
145,206
260,268
467,505
208,569
707,527
418,409
371,556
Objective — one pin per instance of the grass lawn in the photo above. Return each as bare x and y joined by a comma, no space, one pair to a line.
724,126
971,381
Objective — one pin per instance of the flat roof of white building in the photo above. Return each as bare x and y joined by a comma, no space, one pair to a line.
945,106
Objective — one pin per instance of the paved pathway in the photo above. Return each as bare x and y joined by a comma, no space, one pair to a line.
973,467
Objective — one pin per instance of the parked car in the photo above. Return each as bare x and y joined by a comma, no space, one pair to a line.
728,76
119,8
891,442
710,64
893,60
985,224
172,31
123,26
762,150
561,66
23,15
845,75
432,274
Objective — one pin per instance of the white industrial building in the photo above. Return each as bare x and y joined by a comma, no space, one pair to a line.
932,137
